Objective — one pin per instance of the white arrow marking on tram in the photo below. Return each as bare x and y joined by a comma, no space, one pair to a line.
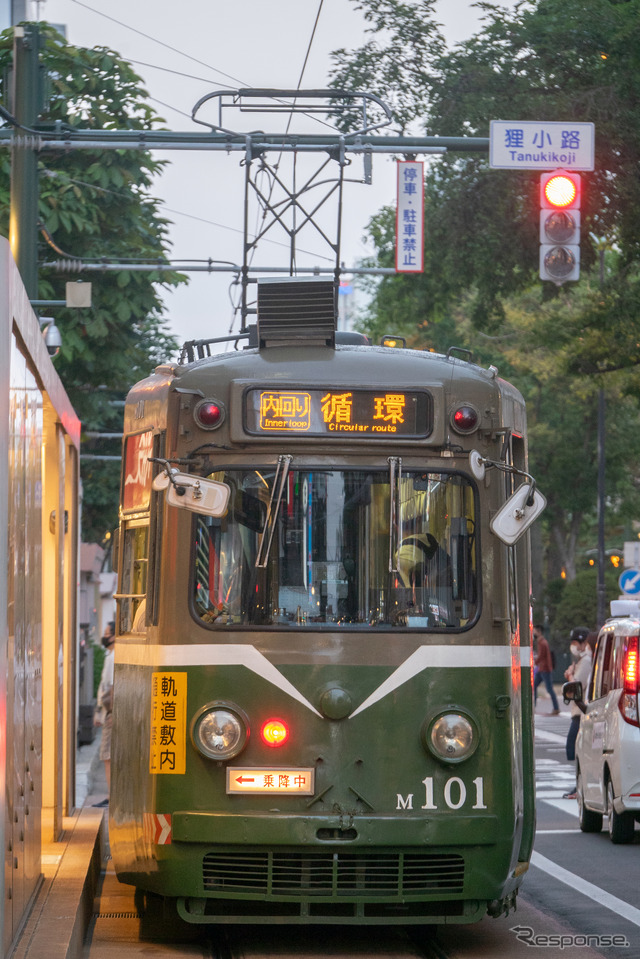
438,657
137,654
165,829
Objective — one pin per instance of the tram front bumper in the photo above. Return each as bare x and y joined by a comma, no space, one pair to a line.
285,829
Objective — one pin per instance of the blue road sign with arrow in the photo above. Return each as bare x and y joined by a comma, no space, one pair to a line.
629,582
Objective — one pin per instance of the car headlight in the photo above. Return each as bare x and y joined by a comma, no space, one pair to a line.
220,731
452,737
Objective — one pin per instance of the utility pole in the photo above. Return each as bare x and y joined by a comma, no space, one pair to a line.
601,588
26,105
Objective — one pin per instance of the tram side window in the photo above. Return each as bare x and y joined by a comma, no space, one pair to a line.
332,554
133,591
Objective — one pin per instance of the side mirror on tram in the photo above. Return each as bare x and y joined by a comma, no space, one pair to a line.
518,513
194,493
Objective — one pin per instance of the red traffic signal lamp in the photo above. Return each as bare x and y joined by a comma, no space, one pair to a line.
560,195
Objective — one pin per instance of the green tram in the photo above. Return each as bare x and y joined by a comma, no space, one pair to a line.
323,692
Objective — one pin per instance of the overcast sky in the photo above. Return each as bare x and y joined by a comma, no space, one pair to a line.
211,45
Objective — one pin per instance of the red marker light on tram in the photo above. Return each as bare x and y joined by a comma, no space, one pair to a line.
465,419
209,414
274,732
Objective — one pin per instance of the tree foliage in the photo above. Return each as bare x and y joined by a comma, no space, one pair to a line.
577,605
397,63
95,206
543,60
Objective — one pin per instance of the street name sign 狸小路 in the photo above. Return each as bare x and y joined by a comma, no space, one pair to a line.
541,145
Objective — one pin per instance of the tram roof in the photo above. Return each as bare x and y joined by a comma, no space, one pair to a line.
365,365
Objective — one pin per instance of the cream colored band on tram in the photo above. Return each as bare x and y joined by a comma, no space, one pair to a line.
425,657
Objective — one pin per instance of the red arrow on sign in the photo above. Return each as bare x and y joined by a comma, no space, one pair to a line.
244,779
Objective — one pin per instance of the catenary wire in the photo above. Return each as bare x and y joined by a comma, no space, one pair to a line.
161,43
277,164
59,174
200,62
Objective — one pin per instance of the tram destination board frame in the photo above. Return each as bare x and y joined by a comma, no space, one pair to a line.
336,412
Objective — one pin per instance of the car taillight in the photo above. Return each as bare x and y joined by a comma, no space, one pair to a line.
631,673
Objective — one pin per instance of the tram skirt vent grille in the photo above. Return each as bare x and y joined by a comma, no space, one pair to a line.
333,874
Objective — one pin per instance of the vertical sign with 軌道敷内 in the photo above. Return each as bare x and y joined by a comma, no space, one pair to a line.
410,217
168,741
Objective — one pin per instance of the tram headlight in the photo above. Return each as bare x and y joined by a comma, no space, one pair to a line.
220,731
451,737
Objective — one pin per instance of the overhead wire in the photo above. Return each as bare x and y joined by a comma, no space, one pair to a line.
277,164
177,73
55,174
219,72
202,63
161,43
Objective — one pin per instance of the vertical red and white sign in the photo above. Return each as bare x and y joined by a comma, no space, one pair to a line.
410,217
137,471
156,828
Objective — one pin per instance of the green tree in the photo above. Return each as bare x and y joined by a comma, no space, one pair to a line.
535,347
543,60
578,604
402,68
96,206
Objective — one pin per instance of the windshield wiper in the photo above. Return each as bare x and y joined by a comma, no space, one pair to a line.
279,480
395,480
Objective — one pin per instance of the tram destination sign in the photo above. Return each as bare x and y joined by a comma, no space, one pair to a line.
360,414
541,145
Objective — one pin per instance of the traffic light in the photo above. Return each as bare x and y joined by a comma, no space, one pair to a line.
560,226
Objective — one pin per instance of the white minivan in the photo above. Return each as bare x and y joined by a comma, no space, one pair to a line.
608,743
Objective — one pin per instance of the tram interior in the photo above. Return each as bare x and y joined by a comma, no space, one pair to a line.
340,547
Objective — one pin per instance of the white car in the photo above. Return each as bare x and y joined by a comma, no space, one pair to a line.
608,743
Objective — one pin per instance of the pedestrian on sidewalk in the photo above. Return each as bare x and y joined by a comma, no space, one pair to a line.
544,662
578,671
104,705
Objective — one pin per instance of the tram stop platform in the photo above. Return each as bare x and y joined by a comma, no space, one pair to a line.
64,905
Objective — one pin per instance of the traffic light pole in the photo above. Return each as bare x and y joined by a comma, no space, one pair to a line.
601,591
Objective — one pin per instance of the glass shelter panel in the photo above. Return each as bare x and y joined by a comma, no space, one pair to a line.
339,548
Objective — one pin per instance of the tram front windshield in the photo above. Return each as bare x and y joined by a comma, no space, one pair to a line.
339,549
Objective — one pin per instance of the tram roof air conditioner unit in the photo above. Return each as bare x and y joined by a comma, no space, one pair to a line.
296,312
